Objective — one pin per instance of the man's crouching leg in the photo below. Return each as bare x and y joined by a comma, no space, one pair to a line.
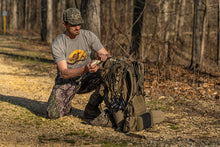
59,102
92,107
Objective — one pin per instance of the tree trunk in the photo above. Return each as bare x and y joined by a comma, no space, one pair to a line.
91,15
43,20
166,33
46,21
38,16
21,14
198,49
178,14
30,11
60,7
1,24
13,19
112,25
70,4
26,16
137,29
218,37
204,30
193,37
182,14
105,19
159,22
49,21
3,8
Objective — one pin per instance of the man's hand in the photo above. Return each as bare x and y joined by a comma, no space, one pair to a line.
102,57
92,68
103,54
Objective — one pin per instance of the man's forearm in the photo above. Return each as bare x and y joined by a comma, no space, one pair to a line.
72,73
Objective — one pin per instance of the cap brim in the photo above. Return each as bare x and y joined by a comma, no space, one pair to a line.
76,22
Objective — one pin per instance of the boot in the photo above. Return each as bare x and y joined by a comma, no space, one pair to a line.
104,120
91,112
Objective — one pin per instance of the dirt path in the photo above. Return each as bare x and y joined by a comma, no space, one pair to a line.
24,93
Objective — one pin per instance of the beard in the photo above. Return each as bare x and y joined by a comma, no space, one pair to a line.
72,33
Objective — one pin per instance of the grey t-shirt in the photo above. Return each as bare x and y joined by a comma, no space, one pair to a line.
76,51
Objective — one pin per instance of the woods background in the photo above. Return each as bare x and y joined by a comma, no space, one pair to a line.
182,32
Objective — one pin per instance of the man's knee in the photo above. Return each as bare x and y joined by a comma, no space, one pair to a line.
55,106
53,109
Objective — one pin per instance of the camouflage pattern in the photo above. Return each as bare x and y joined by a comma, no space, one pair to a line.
72,16
64,90
92,110
105,119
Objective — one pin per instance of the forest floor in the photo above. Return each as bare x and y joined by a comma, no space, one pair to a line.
27,72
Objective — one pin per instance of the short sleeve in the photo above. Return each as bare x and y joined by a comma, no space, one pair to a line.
57,51
95,43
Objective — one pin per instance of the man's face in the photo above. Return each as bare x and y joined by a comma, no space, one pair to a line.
73,29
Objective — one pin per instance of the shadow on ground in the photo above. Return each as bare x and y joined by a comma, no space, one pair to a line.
36,107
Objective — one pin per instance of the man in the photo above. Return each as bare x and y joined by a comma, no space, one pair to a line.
71,51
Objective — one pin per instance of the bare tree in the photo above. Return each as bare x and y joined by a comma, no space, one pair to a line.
1,24
43,20
218,37
49,21
198,48
3,8
70,4
204,29
193,37
27,14
167,31
91,15
35,15
21,14
182,14
137,29
13,19
59,7
46,19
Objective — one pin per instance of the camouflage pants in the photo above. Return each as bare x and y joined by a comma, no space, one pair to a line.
64,90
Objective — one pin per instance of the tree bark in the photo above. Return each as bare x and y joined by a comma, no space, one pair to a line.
49,21
167,32
1,24
91,15
43,20
178,13
105,19
193,37
204,30
218,37
198,49
26,16
3,7
21,14
13,19
60,7
159,22
137,29
182,14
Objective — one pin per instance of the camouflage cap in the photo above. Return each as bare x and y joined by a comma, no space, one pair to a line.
72,16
